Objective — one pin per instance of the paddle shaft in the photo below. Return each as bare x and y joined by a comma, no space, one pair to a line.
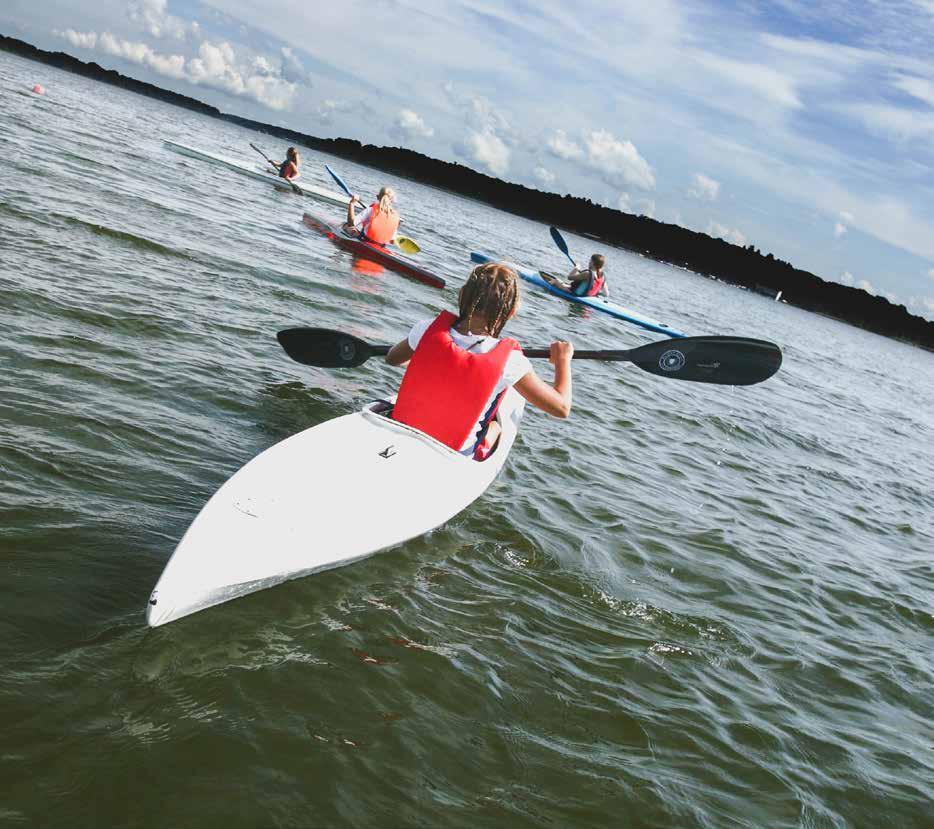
583,354
726,360
264,155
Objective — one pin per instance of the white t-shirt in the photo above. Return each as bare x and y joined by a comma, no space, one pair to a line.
362,220
517,366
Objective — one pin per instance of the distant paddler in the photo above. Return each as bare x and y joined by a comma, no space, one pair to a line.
288,169
589,281
379,222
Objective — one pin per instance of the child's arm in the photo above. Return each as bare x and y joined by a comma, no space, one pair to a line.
400,353
556,399
351,218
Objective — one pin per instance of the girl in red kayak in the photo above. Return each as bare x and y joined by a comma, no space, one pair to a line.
379,222
288,169
459,368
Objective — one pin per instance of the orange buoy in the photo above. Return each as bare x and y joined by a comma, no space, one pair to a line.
38,89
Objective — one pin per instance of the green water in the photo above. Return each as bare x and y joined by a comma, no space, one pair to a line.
685,606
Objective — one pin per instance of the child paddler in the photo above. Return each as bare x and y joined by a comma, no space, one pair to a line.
379,222
589,281
459,367
288,169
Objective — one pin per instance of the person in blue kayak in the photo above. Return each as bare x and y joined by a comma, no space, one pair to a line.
459,368
379,222
589,281
288,169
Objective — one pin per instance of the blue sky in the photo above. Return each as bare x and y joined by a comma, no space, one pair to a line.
805,129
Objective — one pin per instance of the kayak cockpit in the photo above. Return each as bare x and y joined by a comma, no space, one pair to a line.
509,409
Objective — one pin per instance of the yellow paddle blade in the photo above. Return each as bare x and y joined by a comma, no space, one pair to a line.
406,245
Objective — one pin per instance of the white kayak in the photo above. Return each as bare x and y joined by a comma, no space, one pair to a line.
304,188
328,496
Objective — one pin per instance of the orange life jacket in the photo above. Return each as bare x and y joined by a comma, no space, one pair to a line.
445,387
382,226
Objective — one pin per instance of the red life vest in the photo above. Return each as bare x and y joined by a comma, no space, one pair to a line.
382,226
596,284
445,388
288,170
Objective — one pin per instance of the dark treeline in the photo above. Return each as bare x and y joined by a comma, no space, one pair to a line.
668,243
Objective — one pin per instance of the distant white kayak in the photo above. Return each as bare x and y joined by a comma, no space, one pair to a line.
263,174
328,496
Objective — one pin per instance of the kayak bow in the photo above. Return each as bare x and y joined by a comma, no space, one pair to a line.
277,520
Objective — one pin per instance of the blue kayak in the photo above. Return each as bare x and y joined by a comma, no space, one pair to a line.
597,303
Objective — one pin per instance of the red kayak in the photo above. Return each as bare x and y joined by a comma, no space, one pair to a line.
368,250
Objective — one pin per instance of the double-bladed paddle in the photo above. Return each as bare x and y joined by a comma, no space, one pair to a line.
725,360
404,243
273,163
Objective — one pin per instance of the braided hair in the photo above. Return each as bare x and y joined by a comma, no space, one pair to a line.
492,292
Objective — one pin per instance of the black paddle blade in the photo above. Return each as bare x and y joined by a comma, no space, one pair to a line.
729,361
325,348
559,239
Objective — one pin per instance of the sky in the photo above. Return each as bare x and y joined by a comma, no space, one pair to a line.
805,129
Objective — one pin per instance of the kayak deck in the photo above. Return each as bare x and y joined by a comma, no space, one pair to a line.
605,306
328,496
301,187
367,250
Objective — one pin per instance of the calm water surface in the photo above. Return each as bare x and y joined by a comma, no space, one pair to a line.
686,606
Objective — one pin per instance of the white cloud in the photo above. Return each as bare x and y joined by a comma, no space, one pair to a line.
543,176
619,160
292,68
82,40
731,235
624,202
488,115
920,88
762,82
847,278
930,273
894,122
217,65
488,150
561,146
172,66
867,286
153,17
843,224
412,124
704,188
